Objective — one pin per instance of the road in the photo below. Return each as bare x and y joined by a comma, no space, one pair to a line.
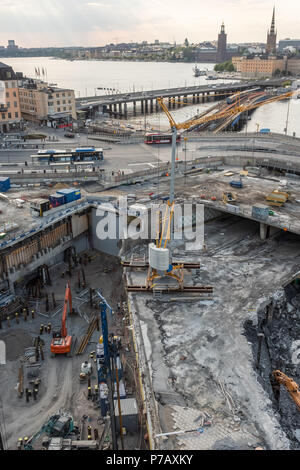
184,91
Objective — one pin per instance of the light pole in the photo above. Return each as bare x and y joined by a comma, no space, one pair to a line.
185,140
287,117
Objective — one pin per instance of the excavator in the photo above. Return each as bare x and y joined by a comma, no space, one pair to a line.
61,342
290,385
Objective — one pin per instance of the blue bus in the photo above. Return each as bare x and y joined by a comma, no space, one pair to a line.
83,155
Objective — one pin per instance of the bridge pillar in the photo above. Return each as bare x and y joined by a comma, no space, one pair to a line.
185,99
194,98
134,108
264,230
157,106
170,101
120,109
115,109
151,106
142,106
110,109
198,97
146,106
178,101
174,101
125,110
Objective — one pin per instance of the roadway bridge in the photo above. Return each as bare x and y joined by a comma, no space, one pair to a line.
145,101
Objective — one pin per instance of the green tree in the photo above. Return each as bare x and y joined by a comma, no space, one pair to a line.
186,42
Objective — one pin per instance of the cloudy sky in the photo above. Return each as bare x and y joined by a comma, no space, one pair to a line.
97,22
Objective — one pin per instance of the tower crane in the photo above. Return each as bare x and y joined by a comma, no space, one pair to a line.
290,385
61,342
165,231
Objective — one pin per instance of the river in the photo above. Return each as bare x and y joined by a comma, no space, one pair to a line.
85,77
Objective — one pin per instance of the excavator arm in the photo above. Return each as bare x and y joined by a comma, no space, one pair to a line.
290,385
68,300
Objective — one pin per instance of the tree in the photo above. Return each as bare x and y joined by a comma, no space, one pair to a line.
186,42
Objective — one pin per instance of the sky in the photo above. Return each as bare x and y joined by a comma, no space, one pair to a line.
42,23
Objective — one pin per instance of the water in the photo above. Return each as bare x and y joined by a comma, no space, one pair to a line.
86,76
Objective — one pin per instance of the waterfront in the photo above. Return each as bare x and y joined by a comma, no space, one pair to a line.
86,76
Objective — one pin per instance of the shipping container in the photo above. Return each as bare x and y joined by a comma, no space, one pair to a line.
57,200
4,184
129,411
39,206
70,194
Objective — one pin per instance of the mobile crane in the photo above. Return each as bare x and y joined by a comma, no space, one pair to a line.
61,342
290,385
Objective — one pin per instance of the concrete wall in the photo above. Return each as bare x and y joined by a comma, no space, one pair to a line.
111,247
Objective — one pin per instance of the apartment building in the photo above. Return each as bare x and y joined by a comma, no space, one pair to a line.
10,111
259,66
46,105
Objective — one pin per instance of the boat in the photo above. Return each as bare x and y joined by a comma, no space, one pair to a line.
197,72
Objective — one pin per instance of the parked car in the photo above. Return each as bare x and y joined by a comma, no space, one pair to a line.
70,135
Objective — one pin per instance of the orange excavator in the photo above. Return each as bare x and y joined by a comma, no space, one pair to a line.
290,385
61,342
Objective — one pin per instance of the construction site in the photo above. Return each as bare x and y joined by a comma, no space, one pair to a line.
152,342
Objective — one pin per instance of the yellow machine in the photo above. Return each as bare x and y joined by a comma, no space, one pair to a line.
290,385
277,198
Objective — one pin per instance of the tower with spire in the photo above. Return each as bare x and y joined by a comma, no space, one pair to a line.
222,45
272,36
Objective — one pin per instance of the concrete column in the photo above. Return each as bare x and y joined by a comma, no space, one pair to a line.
178,101
198,98
157,106
142,106
134,108
125,110
120,109
115,108
169,101
110,109
194,98
263,230
151,106
185,99
174,101
146,106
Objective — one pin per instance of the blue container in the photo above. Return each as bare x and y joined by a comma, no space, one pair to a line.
70,194
4,184
57,200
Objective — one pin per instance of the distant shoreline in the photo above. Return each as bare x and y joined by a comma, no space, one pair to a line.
110,59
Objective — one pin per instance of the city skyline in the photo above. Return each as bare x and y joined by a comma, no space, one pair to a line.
96,23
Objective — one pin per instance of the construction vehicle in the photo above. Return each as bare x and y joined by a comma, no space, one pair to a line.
277,198
85,371
58,425
61,342
228,197
290,385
